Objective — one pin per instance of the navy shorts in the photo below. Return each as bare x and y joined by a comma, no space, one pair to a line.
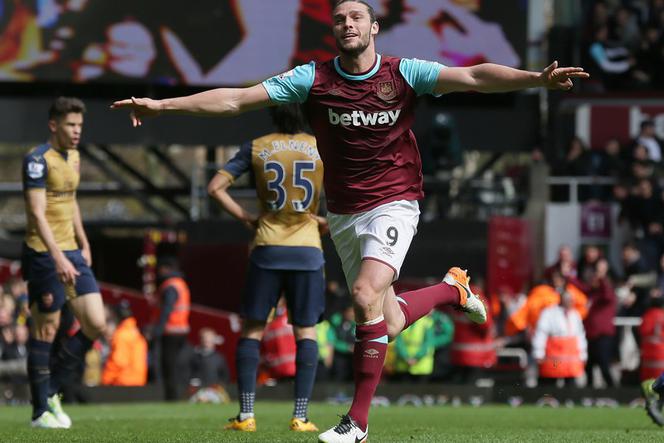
304,291
44,287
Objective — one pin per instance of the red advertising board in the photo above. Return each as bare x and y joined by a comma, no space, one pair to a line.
509,255
598,121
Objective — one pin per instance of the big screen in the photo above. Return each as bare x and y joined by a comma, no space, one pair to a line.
236,42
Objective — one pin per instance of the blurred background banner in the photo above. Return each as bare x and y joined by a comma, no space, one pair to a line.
215,43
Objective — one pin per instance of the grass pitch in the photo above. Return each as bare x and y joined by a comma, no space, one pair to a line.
203,423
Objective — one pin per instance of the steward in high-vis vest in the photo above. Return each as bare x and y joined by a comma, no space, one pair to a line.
559,343
652,340
415,348
473,345
127,363
172,328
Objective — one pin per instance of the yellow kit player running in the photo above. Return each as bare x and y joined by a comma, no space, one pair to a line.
56,262
287,254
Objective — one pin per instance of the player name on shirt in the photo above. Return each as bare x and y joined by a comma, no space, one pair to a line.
361,118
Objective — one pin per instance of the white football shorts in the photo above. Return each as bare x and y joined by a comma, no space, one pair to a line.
383,234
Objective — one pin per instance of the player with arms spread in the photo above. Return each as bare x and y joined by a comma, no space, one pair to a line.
56,262
361,106
287,254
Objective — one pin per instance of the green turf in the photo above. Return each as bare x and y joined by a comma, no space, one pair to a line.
203,423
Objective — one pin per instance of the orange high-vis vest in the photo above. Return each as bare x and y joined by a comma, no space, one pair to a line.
127,364
540,298
562,358
178,321
652,343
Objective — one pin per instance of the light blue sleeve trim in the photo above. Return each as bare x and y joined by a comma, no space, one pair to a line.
347,76
421,75
292,86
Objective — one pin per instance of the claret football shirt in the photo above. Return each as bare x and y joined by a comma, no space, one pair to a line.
362,126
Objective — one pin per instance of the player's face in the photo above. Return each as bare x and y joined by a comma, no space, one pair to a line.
67,130
353,28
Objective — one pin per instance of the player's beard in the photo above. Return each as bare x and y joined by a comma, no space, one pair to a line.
354,50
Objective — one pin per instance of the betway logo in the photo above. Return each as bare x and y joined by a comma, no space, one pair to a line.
361,118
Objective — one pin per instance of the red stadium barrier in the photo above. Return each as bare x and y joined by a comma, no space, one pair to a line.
225,324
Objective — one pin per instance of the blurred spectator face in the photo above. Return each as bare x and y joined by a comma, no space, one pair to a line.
630,254
623,16
620,192
575,148
7,335
21,334
17,288
600,14
641,153
349,314
642,170
209,339
645,189
591,254
648,130
612,147
602,34
558,281
565,254
4,317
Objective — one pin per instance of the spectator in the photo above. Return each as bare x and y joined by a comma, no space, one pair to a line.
559,343
626,29
208,366
473,350
652,339
443,333
612,63
565,264
173,325
577,160
19,292
127,363
647,137
542,297
586,267
638,279
612,163
325,350
343,333
13,360
414,349
278,346
600,329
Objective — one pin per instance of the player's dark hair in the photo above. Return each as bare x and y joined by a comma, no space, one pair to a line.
65,105
372,12
289,119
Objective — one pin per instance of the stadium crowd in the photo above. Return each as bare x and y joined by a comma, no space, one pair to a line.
623,44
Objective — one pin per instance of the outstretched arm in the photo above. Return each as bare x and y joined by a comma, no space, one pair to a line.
489,77
223,102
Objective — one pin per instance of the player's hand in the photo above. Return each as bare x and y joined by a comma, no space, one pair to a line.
554,77
139,108
323,226
87,255
67,273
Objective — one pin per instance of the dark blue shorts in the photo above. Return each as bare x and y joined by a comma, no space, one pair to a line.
44,287
304,292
